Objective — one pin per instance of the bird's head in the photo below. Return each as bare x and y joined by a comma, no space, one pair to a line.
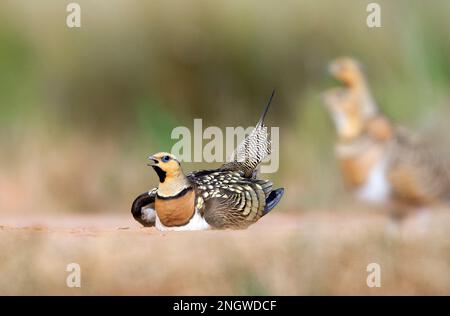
347,70
166,165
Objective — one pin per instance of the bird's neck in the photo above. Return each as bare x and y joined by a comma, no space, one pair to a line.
380,128
357,82
359,87
174,183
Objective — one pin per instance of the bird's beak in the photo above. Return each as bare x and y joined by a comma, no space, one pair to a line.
153,161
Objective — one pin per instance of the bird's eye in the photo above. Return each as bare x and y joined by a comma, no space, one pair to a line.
165,158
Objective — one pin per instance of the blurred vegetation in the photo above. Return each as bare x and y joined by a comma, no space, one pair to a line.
80,109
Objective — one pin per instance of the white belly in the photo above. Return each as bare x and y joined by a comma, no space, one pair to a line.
197,222
376,189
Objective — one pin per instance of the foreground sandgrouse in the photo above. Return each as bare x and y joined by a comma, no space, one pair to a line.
230,197
383,163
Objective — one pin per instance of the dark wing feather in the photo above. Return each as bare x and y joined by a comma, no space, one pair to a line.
143,208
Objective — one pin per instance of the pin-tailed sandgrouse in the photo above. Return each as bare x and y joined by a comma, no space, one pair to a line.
230,197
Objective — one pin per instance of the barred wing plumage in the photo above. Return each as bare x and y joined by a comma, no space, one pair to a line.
229,200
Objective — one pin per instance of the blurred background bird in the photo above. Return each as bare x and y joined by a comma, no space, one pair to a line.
382,162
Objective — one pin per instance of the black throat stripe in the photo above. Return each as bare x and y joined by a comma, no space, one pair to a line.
161,173
179,194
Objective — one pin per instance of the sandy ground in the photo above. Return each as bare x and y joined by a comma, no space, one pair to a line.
314,253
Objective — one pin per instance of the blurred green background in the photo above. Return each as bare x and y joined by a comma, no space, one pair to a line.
80,109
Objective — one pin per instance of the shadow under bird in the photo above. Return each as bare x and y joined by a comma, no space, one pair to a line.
383,162
230,197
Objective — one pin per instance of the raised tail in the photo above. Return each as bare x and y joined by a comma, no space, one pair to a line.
253,149
263,116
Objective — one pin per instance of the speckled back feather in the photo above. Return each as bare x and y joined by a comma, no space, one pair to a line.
229,200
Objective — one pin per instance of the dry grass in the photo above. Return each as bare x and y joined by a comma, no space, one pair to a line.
318,253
